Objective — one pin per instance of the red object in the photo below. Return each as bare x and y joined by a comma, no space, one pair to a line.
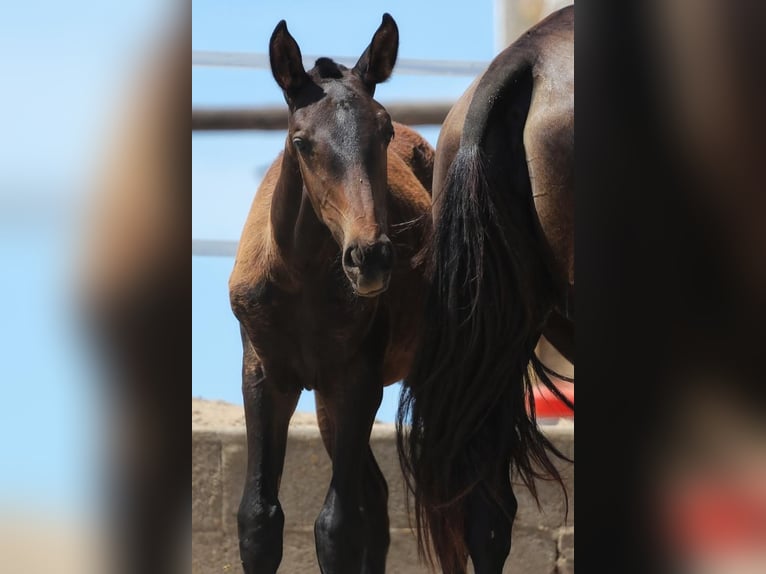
547,405
709,516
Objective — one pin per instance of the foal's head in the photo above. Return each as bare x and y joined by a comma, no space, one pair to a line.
339,136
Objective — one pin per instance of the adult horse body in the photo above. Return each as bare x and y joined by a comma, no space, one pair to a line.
503,275
327,286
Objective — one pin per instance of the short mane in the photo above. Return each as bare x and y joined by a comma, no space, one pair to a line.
327,68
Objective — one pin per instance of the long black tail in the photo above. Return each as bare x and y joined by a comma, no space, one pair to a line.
466,398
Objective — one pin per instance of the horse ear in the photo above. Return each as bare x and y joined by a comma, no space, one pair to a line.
377,61
286,60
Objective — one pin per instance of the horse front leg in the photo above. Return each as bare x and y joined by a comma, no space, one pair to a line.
376,515
260,519
374,496
344,524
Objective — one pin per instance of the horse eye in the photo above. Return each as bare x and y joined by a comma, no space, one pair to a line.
389,135
301,145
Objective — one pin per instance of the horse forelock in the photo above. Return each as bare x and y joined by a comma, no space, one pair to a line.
326,68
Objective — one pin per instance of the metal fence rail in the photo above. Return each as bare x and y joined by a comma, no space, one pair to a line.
214,247
404,66
275,117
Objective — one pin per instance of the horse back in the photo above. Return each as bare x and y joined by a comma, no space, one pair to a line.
415,152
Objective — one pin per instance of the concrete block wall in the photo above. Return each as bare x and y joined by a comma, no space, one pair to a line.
543,542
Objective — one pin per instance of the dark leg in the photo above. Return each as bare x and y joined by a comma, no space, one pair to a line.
267,416
489,524
344,525
376,515
374,496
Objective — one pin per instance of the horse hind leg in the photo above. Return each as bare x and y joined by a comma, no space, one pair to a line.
489,523
260,519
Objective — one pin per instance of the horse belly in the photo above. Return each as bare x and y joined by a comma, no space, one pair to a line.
404,307
397,364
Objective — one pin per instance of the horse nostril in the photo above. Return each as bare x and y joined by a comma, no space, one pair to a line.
378,256
353,257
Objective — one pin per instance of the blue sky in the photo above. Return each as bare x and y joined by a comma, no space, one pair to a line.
227,166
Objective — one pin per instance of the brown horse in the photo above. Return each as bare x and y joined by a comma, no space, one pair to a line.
503,275
327,285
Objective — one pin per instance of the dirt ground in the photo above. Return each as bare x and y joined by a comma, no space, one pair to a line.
208,415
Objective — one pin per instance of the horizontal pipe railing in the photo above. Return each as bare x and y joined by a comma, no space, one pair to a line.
275,117
404,66
214,247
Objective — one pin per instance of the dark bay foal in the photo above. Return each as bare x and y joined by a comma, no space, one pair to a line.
327,286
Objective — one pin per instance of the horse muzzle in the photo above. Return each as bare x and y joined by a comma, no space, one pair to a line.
368,266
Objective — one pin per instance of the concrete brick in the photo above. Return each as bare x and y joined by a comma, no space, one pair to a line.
533,551
566,544
552,512
207,481
234,465
566,551
553,506
305,479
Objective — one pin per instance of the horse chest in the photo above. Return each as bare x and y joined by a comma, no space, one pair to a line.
308,336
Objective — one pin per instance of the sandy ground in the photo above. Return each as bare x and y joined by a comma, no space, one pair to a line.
208,415
212,415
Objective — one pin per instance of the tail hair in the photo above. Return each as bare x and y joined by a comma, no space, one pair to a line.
467,405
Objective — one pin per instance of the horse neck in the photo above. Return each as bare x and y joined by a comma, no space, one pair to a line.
297,232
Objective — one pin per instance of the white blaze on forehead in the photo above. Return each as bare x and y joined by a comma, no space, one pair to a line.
346,132
347,118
